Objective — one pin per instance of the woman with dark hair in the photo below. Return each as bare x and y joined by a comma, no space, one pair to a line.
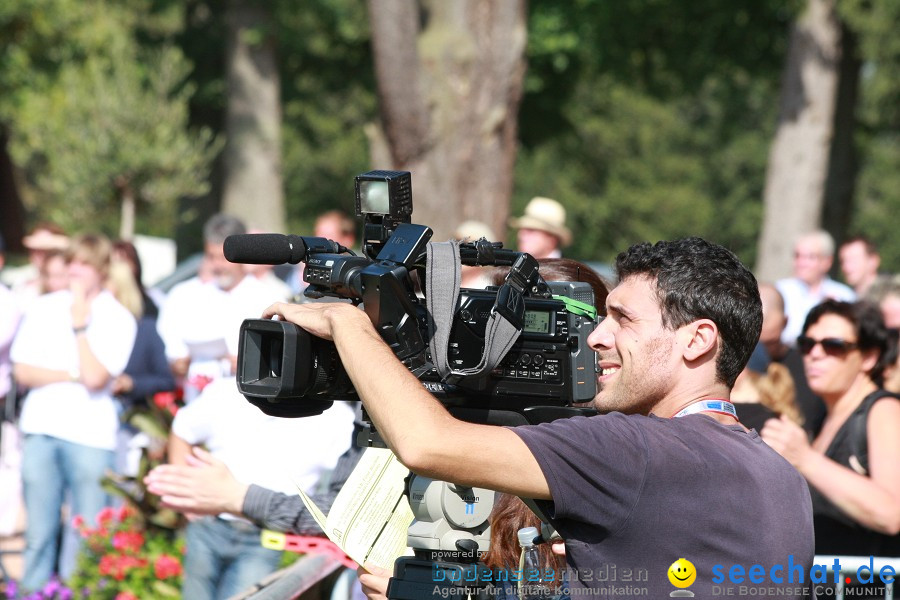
852,464
567,269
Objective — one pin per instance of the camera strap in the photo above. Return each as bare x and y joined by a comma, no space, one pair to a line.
443,275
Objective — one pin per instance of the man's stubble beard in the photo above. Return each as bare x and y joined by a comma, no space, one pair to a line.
631,399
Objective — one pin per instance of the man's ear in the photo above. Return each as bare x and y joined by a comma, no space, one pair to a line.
702,337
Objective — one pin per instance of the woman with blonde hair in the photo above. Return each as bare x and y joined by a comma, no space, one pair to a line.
147,371
69,348
758,397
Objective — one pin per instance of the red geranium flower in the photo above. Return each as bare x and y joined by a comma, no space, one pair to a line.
128,541
107,564
125,511
166,566
106,515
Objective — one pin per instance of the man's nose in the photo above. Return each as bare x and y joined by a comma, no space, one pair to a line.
603,335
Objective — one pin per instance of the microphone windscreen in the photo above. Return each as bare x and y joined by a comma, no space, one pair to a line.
264,249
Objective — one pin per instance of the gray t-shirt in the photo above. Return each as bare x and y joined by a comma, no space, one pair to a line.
633,494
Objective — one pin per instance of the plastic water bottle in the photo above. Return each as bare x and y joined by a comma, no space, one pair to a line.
532,583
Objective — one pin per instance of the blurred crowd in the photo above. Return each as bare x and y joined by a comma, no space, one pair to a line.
83,341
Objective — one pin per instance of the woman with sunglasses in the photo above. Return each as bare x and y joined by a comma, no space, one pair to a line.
852,464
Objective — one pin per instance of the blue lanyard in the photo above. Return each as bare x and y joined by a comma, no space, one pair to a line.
723,407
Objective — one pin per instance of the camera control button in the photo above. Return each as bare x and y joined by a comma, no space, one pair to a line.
525,359
538,359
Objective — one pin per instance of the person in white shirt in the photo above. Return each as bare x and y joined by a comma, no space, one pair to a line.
810,285
224,555
70,346
200,320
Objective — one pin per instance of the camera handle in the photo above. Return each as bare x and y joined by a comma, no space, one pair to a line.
444,272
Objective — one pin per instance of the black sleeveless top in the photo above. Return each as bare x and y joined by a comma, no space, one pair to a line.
836,532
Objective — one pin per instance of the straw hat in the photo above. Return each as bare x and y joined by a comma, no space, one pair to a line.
547,215
474,231
45,240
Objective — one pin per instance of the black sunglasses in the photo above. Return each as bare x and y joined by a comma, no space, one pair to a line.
831,346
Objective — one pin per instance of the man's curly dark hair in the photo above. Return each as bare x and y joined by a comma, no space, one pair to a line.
696,279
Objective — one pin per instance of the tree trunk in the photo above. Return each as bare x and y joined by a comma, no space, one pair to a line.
450,78
799,160
841,182
253,187
12,223
129,209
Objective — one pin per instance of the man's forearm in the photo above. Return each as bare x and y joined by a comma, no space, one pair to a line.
420,431
179,450
30,376
93,374
279,512
408,418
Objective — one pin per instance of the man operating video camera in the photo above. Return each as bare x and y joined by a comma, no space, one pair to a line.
668,473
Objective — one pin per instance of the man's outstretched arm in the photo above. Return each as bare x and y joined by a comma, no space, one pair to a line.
419,430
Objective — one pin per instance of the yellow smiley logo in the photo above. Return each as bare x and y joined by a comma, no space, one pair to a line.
682,573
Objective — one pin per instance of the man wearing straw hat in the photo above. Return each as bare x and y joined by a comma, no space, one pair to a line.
542,229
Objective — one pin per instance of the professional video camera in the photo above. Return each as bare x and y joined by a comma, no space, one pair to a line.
511,355
285,371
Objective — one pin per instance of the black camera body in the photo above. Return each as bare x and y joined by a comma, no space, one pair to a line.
550,363
287,372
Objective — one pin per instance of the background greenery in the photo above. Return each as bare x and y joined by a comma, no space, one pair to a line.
649,119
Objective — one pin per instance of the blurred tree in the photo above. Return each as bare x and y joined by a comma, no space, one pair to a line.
878,118
12,226
449,76
813,144
97,119
651,120
328,86
252,187
327,95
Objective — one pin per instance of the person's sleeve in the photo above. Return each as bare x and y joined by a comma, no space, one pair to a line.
9,318
150,372
287,513
594,466
26,346
168,327
192,422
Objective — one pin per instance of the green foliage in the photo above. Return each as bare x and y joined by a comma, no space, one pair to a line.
123,560
878,133
329,94
155,421
875,25
651,120
638,169
105,118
